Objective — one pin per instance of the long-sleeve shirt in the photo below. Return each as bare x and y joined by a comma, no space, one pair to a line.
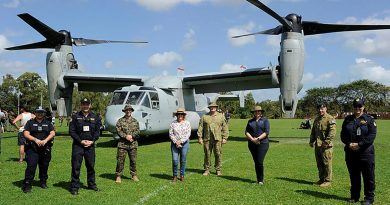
256,128
323,130
85,127
361,130
213,127
180,131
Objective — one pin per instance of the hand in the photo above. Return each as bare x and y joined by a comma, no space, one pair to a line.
178,143
324,145
200,140
38,142
129,138
354,146
255,140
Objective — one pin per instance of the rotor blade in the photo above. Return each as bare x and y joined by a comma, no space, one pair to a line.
84,42
43,29
274,31
42,44
311,27
270,12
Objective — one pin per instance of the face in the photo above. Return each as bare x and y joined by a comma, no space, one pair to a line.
128,112
213,109
358,109
322,110
180,117
85,107
39,115
257,113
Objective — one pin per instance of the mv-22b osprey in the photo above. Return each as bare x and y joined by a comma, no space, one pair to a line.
155,98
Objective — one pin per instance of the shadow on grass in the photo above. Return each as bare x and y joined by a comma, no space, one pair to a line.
107,144
233,178
112,176
199,171
237,138
299,181
19,183
322,195
161,176
66,185
14,159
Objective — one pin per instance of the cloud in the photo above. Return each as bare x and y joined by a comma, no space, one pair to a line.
108,64
158,27
158,5
14,67
189,41
163,60
370,43
12,4
367,69
227,67
240,30
4,43
321,78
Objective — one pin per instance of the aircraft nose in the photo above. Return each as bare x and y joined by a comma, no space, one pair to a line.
113,113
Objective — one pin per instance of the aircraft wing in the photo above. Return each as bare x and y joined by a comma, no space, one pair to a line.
249,79
101,83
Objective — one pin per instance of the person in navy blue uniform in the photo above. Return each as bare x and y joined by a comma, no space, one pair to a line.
84,128
358,134
39,134
257,131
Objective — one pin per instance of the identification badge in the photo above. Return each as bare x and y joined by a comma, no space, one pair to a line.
86,128
39,128
358,131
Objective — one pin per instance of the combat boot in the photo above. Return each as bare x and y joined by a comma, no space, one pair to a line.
118,180
219,173
174,179
43,185
26,188
135,178
206,172
182,178
325,184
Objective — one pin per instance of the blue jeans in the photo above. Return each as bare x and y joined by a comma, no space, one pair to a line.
183,158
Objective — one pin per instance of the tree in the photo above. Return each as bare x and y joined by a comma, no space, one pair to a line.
32,88
8,100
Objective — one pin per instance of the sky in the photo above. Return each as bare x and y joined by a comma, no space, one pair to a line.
196,35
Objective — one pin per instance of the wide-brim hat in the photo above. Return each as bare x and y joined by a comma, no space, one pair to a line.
128,107
180,111
257,108
40,110
213,104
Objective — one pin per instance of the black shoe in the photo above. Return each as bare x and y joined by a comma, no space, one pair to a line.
94,188
367,202
44,185
26,188
74,192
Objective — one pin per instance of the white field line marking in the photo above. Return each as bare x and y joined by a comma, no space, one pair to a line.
162,188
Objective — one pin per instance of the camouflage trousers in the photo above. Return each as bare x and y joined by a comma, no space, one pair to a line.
131,150
208,147
324,163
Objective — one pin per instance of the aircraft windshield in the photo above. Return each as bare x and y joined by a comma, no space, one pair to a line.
118,98
135,98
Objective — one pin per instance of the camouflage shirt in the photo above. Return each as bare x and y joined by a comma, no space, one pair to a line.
324,130
213,127
127,126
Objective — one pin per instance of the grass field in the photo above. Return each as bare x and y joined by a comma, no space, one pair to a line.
290,171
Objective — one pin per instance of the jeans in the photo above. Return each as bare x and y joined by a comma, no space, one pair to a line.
183,158
258,152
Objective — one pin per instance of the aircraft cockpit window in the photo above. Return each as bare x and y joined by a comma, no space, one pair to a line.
118,98
135,98
155,101
146,101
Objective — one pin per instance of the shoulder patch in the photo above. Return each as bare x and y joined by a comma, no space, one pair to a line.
374,123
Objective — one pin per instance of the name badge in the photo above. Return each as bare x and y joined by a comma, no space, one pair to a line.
358,131
86,128
39,128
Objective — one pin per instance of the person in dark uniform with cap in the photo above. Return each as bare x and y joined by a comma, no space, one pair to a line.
84,128
358,133
39,133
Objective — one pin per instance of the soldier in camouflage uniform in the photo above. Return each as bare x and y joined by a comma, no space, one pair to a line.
128,130
322,135
212,133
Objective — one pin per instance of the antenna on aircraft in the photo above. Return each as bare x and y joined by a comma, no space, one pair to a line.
57,38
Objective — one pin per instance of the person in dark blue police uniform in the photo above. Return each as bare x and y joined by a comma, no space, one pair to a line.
39,133
257,131
358,134
85,130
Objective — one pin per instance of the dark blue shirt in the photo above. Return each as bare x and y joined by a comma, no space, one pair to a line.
256,128
85,127
361,130
39,130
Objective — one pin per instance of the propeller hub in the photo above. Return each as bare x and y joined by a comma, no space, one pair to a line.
296,22
67,40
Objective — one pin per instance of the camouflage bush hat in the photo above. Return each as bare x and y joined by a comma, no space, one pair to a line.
180,111
213,104
257,108
128,107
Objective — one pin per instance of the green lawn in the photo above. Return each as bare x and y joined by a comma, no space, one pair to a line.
290,171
